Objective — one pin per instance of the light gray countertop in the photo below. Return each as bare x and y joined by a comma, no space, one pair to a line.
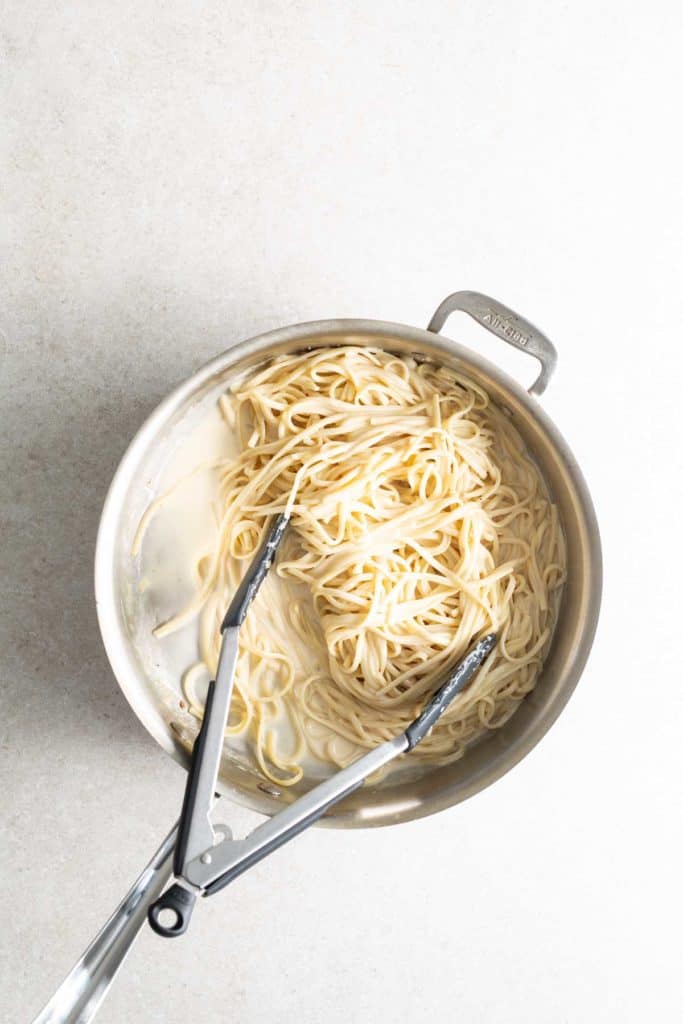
178,176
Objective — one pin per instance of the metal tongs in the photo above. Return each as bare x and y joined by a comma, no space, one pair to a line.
204,858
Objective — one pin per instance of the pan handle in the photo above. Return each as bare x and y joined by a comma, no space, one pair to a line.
78,998
505,324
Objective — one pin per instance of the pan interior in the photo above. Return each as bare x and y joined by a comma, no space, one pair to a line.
178,436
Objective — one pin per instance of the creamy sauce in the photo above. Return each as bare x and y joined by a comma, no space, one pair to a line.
165,580
178,535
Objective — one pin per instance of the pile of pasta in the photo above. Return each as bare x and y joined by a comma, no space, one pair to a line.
419,522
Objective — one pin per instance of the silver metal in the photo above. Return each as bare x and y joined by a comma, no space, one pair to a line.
200,835
505,324
212,870
238,855
78,997
400,797
196,834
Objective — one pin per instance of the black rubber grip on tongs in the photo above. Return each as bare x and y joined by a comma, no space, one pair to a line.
179,901
255,574
191,786
457,681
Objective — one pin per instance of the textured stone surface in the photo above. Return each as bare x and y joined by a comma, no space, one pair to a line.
177,176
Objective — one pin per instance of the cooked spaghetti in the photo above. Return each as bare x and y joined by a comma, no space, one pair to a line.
419,523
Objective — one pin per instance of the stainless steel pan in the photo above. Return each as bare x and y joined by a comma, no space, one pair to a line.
154,699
